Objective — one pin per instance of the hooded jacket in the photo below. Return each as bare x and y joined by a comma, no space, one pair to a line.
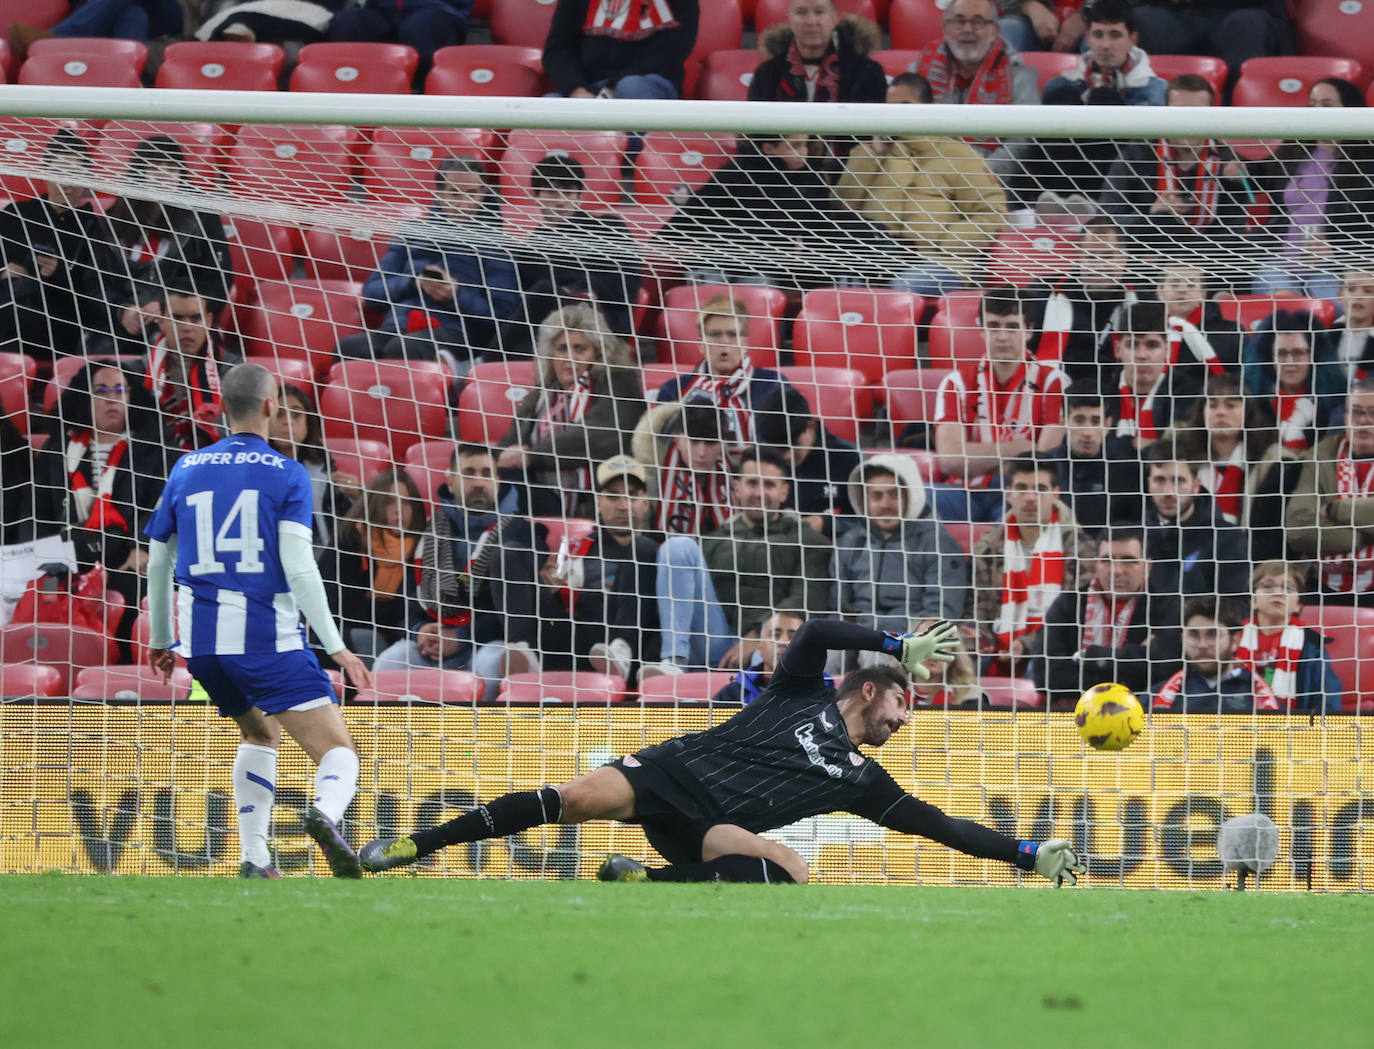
861,78
917,571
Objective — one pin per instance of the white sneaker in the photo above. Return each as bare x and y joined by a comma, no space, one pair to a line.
614,658
521,659
666,666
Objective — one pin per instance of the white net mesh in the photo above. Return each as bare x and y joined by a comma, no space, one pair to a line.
1067,395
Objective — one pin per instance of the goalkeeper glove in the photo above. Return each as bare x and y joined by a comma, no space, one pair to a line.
1054,860
939,641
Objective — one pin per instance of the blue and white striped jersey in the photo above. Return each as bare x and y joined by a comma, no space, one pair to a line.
225,504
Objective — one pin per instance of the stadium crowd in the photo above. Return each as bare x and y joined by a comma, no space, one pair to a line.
1146,458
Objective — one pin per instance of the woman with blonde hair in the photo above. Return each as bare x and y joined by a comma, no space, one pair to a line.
582,411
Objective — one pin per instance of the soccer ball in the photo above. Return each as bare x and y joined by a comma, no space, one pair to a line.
1108,717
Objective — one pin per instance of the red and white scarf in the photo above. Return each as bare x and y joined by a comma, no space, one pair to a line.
991,85
1263,695
1055,328
1296,414
628,19
1029,583
557,410
1185,332
195,421
811,82
1351,573
1202,188
1106,624
689,504
1005,411
1138,413
94,506
730,392
1274,654
1225,479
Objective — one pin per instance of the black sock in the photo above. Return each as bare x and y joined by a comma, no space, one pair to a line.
734,867
508,814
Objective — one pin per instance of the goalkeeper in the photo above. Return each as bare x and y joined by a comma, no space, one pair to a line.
703,799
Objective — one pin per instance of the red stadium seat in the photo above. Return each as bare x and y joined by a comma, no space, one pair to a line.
1049,64
955,334
1212,70
202,144
131,52
101,683
894,62
599,153
1343,28
399,165
352,255
911,396
965,533
41,13
768,13
487,404
63,648
672,166
363,459
915,23
575,528
487,69
655,375
427,462
423,685
1024,256
301,319
221,66
22,142
367,68
83,70
142,631
17,371
723,30
1351,647
726,75
1012,693
21,680
1286,81
672,689
838,396
294,165
682,333
1251,311
292,371
260,251
569,686
394,402
523,22
870,331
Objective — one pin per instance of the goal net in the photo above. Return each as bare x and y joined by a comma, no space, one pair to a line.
602,399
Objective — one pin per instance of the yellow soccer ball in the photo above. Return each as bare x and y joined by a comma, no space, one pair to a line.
1109,716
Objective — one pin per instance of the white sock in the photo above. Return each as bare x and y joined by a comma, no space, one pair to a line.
336,781
255,787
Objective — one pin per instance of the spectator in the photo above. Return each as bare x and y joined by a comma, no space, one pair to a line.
370,571
774,637
583,411
603,586
1112,61
1150,394
298,433
1233,30
1212,680
1021,566
1181,197
1014,406
1192,549
819,57
686,445
726,376
1058,179
1102,471
106,430
1323,192
140,20
951,684
972,64
1330,515
32,494
1035,25
425,25
821,463
444,283
1287,654
898,563
1291,369
596,49
1354,349
1205,341
1076,316
182,373
713,598
1121,627
934,194
1246,470
59,281
574,254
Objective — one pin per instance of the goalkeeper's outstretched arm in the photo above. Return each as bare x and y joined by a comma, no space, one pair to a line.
806,654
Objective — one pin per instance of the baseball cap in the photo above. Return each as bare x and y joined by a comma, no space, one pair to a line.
620,466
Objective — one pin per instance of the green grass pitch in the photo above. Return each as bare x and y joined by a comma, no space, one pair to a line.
148,962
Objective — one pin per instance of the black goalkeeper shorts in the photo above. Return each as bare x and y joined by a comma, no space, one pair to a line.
674,817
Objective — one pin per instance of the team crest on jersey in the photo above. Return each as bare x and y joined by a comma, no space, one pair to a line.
630,761
855,758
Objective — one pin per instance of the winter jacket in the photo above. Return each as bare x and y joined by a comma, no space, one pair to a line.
1103,489
657,430
760,566
574,58
1232,693
1152,650
195,255
820,482
1202,555
888,579
348,572
749,683
1319,524
33,486
764,383
1139,86
861,78
1327,380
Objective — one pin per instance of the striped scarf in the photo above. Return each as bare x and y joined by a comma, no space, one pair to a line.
1205,190
1351,573
1225,479
1296,413
628,19
1274,655
687,504
795,84
730,392
1138,413
1186,333
1096,628
94,506
991,84
1263,695
1029,584
196,417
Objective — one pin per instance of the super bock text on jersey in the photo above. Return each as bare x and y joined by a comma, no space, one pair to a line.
226,505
